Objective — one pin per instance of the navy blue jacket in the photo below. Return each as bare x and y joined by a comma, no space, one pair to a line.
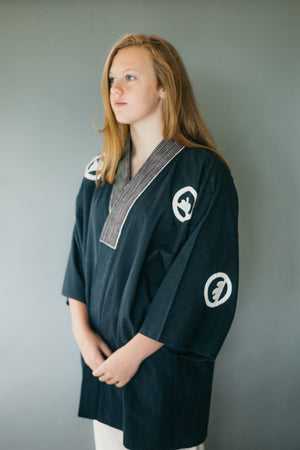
157,254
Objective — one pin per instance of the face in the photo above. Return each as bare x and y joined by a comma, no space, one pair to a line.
134,95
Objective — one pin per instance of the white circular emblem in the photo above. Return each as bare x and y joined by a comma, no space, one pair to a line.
217,290
91,169
183,203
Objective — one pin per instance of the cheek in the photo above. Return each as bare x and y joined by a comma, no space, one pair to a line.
150,96
154,92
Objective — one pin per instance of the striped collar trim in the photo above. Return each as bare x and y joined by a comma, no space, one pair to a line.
125,192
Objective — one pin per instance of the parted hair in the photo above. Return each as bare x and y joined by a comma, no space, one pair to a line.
182,119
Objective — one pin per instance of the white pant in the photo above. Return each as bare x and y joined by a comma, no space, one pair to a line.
109,438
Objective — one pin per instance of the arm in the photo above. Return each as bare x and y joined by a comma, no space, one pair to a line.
122,365
193,307
142,346
92,347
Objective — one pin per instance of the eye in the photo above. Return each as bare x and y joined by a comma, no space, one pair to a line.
111,80
130,77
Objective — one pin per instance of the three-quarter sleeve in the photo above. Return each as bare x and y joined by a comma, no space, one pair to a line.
73,285
194,306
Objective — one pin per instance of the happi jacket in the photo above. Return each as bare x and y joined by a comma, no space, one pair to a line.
157,254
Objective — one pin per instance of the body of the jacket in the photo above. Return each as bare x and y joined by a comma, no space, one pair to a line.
145,269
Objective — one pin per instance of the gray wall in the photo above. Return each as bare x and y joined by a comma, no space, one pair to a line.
243,59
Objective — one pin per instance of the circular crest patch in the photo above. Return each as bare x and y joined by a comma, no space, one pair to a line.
91,169
183,203
217,290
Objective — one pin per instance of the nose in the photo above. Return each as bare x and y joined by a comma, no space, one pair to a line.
117,87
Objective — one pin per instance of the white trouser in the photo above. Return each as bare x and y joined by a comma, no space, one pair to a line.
109,438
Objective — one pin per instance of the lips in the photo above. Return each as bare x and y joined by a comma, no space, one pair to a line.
119,104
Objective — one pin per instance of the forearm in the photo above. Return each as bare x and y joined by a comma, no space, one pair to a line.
142,346
80,316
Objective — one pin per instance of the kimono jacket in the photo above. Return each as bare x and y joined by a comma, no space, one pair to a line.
158,255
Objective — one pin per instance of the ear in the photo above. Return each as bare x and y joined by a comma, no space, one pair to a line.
161,92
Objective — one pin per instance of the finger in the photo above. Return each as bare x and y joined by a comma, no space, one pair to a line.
92,364
97,362
98,371
103,377
106,380
105,349
110,381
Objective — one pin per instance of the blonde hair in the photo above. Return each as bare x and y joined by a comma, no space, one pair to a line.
182,119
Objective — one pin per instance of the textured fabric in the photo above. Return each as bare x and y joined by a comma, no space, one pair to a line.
108,438
172,276
120,207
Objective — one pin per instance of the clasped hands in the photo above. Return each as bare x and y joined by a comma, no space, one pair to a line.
118,368
114,367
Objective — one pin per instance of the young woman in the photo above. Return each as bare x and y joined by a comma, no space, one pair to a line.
152,274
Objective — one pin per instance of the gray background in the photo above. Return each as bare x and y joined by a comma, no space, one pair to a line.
243,59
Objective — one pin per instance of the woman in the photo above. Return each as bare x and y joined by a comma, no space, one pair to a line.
152,274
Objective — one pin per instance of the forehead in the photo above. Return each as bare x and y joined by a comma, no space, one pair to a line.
131,58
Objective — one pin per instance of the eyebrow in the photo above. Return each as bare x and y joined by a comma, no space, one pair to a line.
125,70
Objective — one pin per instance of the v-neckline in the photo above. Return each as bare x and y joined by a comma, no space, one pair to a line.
123,173
126,191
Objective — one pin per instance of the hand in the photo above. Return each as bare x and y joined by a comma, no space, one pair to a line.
119,367
93,348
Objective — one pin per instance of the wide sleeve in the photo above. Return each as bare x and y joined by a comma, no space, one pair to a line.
73,285
194,306
74,280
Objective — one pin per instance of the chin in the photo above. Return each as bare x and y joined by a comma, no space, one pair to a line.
121,119
123,122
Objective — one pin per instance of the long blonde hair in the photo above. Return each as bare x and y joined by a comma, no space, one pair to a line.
182,119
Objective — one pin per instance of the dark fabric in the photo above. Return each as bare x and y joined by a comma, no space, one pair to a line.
173,276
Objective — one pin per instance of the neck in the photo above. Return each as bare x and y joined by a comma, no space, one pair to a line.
144,138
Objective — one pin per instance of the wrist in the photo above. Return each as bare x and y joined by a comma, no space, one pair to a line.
81,330
142,346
